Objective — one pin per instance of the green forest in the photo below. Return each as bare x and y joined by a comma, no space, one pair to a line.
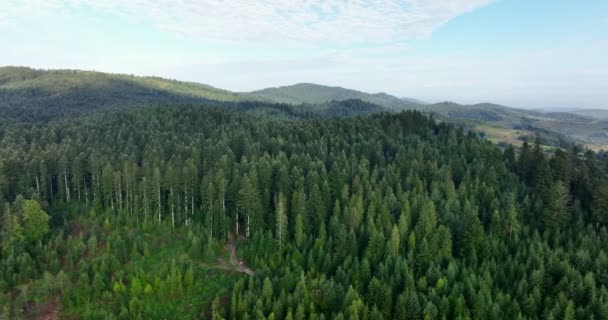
201,212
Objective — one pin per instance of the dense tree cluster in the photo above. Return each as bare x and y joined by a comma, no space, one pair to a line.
379,217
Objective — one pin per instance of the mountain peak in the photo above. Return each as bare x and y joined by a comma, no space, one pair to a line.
300,93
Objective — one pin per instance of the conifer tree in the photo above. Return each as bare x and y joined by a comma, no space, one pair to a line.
281,220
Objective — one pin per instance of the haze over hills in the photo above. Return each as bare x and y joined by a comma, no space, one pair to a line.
40,94
499,123
513,126
32,94
49,93
601,114
311,93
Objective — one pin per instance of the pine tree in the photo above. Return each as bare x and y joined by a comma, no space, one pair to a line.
220,211
281,220
217,310
557,206
107,183
157,185
298,207
35,220
316,206
471,233
248,207
405,221
299,230
427,220
267,290
394,242
600,204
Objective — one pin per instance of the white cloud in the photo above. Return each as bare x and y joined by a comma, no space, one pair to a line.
522,79
295,22
359,44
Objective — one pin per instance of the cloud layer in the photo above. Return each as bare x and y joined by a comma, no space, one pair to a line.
295,22
361,44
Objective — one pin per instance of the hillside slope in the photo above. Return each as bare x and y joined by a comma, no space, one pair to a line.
58,82
38,94
309,93
593,113
511,125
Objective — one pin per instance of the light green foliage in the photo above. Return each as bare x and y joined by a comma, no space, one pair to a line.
299,230
281,220
267,289
427,221
395,241
35,220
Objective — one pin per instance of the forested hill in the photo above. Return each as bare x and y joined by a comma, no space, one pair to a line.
58,82
132,214
41,95
310,93
37,95
514,126
30,94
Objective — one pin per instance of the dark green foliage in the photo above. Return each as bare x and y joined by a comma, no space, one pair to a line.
600,203
388,216
557,205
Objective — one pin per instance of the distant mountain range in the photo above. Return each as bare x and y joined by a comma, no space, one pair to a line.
30,93
499,123
310,93
53,83
27,93
512,125
591,113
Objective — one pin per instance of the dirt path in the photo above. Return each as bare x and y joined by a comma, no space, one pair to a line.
239,265
233,265
46,311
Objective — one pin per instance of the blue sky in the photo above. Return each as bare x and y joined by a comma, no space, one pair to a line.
521,53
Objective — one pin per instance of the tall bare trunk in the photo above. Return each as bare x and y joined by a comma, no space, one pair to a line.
159,204
172,211
247,233
119,194
186,205
145,203
51,185
192,200
37,186
210,212
86,190
67,188
93,183
78,190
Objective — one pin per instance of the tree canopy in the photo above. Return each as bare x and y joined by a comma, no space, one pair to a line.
195,212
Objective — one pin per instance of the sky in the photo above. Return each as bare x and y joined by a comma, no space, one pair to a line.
520,53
